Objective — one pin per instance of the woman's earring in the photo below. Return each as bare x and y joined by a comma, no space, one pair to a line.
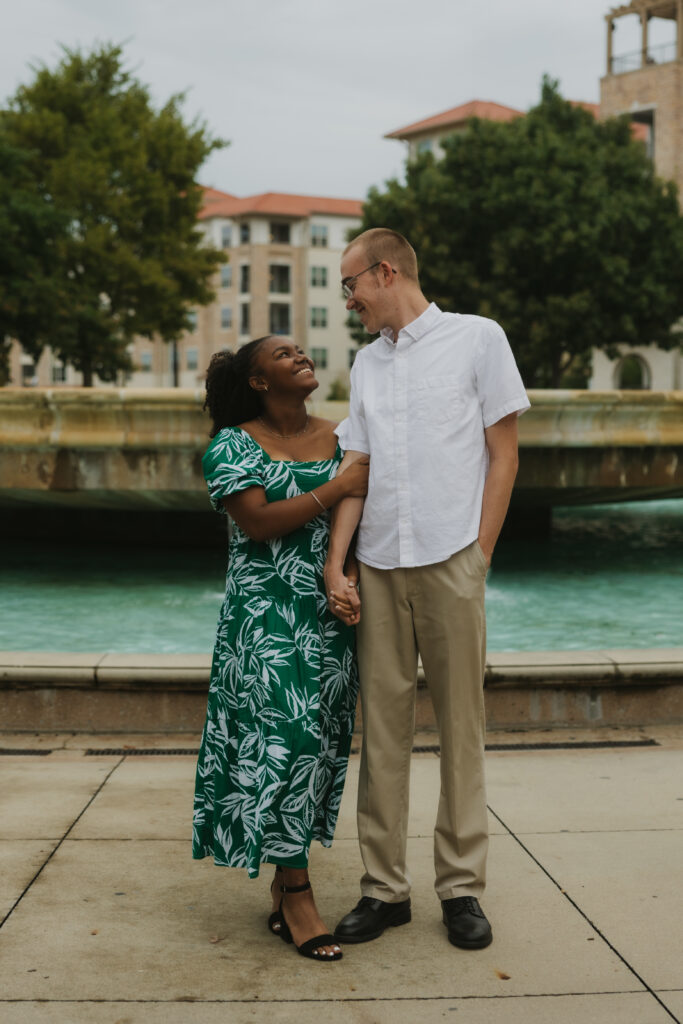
265,388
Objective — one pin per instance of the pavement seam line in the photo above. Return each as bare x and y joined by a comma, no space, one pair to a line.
585,916
346,999
65,836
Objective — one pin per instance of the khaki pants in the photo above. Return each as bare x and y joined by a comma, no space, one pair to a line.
437,610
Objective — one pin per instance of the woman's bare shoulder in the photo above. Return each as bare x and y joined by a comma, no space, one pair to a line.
323,426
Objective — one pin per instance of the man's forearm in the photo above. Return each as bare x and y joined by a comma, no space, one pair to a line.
497,492
501,443
345,518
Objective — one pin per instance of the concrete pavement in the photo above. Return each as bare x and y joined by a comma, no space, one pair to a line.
107,919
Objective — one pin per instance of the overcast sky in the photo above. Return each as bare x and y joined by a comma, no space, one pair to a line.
304,90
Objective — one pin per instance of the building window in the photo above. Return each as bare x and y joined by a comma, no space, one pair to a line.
280,279
226,276
646,134
192,321
425,146
244,318
192,357
319,236
279,232
319,357
280,318
245,234
318,316
226,236
28,374
226,317
318,277
245,278
633,373
146,362
352,356
58,373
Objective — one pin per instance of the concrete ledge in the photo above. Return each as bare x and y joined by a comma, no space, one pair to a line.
104,671
44,691
579,668
129,671
137,448
138,418
191,671
38,668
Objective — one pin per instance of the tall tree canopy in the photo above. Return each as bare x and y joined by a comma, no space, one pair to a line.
29,224
109,184
553,224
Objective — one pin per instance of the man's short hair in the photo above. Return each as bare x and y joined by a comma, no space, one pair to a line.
385,244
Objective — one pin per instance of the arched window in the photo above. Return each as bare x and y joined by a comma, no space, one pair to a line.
633,373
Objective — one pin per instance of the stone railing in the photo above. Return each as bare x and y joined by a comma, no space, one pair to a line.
112,448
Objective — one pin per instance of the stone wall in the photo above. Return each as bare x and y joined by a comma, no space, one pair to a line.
129,448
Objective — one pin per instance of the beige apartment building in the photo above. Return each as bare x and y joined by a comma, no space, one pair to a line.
647,85
280,276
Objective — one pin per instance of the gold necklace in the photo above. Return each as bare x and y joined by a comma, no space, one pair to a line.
284,437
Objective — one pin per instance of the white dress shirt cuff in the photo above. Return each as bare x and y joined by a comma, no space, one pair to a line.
518,405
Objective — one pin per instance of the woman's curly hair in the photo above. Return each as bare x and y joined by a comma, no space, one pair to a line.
229,398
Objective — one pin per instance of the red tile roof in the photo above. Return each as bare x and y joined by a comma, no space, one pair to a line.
638,131
492,112
592,108
222,204
458,115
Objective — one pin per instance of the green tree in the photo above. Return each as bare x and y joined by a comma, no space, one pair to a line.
338,391
127,257
553,224
29,224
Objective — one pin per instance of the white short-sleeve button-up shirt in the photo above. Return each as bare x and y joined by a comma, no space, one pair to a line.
419,407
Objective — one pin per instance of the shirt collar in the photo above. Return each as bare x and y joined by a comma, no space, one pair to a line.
418,328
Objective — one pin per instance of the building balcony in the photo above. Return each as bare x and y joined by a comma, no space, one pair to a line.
637,59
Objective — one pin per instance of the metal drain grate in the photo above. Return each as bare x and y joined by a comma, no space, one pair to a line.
11,752
430,749
140,752
573,745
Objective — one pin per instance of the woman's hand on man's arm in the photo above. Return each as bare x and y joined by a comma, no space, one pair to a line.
263,520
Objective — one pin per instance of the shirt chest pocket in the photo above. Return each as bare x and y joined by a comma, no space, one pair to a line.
439,399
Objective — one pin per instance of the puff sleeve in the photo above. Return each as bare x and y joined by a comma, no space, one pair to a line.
232,463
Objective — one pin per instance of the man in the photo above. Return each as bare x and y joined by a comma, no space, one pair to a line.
434,402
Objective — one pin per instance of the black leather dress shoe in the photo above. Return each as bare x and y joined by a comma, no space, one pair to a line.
369,918
467,925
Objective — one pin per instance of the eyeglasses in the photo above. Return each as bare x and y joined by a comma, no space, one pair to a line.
349,283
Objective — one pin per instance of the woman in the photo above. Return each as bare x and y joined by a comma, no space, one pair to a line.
283,687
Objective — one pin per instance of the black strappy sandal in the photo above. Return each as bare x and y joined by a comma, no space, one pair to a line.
309,948
275,920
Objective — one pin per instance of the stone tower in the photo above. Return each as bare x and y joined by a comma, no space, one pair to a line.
648,84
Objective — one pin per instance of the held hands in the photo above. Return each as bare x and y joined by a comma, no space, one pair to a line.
341,580
355,478
342,595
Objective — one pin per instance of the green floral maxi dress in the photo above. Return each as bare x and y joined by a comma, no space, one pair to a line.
282,696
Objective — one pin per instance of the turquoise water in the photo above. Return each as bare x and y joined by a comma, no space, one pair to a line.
610,576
